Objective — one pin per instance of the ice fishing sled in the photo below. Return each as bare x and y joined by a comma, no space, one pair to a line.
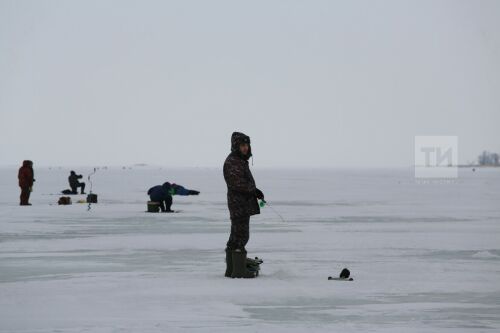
340,279
70,192
345,275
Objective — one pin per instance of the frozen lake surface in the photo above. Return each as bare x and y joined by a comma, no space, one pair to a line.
424,257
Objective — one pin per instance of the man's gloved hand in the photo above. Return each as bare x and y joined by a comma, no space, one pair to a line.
259,194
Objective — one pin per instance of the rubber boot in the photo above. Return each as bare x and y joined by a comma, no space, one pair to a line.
229,263
239,265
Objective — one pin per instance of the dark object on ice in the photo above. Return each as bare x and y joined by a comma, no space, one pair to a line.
26,178
240,269
75,184
344,276
473,169
67,192
92,198
64,201
153,207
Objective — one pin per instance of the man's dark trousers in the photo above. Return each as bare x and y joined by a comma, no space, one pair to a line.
240,233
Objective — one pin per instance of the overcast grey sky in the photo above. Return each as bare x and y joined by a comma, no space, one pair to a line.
314,83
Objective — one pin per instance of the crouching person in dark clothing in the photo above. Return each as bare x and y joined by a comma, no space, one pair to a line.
163,194
26,180
75,184
242,202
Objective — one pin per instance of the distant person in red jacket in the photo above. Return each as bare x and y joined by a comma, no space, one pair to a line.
26,179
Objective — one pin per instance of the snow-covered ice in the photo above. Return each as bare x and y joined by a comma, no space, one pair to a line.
424,257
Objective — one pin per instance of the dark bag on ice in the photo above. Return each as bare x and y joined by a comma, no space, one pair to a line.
64,201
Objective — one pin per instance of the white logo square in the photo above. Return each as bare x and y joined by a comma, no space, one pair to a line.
436,157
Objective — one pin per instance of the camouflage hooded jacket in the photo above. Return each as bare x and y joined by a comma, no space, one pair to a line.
241,198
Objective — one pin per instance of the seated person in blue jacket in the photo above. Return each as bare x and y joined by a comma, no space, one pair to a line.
163,194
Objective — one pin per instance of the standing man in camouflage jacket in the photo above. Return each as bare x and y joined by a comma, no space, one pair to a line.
242,198
26,180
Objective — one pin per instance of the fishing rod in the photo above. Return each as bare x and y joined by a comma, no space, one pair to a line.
264,202
90,192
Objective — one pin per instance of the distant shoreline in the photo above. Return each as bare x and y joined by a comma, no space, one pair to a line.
478,166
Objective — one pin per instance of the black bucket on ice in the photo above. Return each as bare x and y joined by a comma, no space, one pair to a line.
92,198
153,207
